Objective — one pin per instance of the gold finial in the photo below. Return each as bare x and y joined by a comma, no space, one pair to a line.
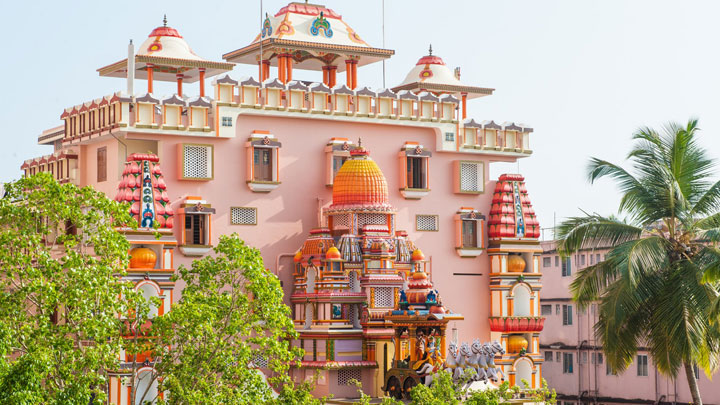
164,20
430,50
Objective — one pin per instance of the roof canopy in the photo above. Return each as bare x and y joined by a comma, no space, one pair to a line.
170,55
431,74
313,35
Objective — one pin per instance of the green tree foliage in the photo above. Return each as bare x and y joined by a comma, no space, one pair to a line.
658,284
444,391
231,313
60,262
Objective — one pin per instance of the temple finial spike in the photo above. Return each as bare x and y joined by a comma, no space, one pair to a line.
359,142
430,50
164,20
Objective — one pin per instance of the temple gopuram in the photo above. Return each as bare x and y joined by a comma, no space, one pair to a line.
242,146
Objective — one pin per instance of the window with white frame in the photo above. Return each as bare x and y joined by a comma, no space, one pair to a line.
470,177
263,152
197,162
426,223
566,267
243,216
337,152
642,365
227,121
545,309
547,262
450,136
567,315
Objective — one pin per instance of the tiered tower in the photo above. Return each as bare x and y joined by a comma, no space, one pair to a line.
514,250
143,186
348,277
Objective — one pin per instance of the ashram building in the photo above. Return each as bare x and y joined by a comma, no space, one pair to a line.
575,365
346,190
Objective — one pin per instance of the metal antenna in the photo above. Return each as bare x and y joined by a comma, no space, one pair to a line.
383,38
430,50
164,20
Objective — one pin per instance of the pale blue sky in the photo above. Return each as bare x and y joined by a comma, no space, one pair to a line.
584,74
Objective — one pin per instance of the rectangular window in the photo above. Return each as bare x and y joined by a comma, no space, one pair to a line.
469,233
426,223
227,121
548,356
558,357
567,315
450,136
582,260
608,370
471,177
597,258
583,358
567,363
337,162
599,358
61,167
566,267
197,162
557,309
592,259
545,309
416,172
557,261
642,365
547,262
195,229
262,164
243,216
102,164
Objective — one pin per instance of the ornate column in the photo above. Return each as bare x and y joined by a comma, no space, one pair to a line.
333,71
281,67
289,62
349,73
202,82
326,75
150,68
354,74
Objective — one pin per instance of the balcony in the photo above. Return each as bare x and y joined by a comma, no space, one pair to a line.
509,324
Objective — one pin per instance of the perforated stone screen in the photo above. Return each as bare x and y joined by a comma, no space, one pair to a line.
243,216
197,161
426,222
371,219
347,374
384,297
471,176
259,361
341,220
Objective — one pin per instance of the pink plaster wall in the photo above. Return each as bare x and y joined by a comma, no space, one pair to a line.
287,214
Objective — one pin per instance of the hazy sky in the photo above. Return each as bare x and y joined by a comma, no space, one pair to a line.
584,74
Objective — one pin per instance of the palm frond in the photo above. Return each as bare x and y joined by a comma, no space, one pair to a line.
593,231
709,202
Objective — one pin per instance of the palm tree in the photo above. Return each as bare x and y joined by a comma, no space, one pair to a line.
658,285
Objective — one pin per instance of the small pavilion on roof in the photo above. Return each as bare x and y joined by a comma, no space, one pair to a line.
311,37
432,74
166,56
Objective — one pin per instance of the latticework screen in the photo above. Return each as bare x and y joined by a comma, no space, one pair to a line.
371,219
347,374
471,176
197,162
426,222
384,297
243,216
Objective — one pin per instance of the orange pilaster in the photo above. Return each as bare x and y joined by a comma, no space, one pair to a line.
464,105
349,73
265,70
281,67
260,71
354,75
326,75
179,85
150,78
202,82
289,62
331,79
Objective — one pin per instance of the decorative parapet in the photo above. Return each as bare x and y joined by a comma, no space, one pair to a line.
507,324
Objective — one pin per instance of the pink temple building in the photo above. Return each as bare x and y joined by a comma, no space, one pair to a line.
339,185
574,362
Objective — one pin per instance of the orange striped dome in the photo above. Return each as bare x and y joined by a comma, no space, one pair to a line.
360,184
